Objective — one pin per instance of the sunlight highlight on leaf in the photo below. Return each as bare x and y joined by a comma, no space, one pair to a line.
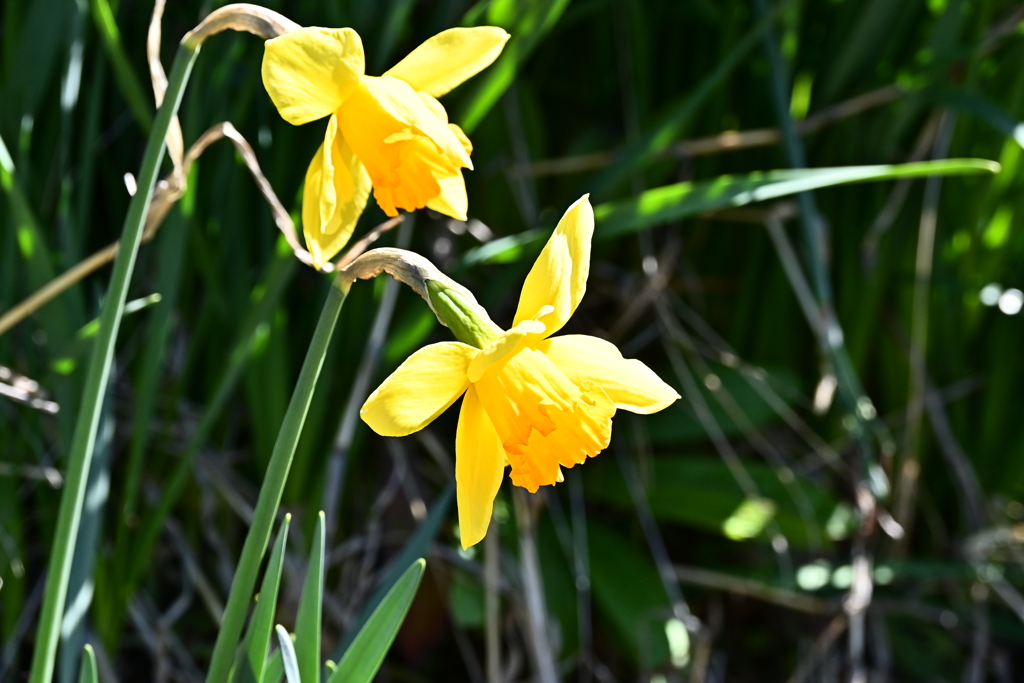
749,519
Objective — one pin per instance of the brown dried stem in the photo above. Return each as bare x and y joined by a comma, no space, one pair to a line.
727,141
168,191
259,21
240,17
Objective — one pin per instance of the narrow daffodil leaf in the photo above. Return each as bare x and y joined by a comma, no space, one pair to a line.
681,200
273,487
415,547
274,672
253,657
364,657
87,672
976,104
79,457
307,622
507,249
291,664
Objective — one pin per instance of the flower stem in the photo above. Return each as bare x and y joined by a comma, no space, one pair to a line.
84,439
273,486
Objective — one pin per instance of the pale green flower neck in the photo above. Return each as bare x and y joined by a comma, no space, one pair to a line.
467,319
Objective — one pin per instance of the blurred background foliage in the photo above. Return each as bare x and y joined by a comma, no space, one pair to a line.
731,537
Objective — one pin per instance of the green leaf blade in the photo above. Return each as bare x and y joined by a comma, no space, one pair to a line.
364,657
288,657
681,200
307,622
87,672
253,658
415,547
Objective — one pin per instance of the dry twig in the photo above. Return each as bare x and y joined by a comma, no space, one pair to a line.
727,141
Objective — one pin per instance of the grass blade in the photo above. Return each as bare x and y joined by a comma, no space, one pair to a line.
273,486
127,79
81,582
87,672
253,658
307,622
415,547
84,439
291,664
681,200
275,669
364,657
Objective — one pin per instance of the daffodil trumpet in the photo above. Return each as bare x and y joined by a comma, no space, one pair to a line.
535,402
388,133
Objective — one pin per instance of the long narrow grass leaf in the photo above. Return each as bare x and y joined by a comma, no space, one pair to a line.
273,487
307,622
673,202
291,664
681,200
87,672
253,657
363,658
81,581
127,80
275,668
416,546
84,439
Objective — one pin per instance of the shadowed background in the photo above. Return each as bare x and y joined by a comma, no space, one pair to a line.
859,343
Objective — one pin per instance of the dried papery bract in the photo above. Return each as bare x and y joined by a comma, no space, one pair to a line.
259,21
408,268
157,75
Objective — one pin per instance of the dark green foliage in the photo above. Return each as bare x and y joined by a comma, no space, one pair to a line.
607,89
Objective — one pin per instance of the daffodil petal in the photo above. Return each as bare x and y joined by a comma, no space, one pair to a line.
559,276
309,73
449,58
503,347
420,389
544,419
479,467
452,201
463,138
630,384
401,102
336,190
434,106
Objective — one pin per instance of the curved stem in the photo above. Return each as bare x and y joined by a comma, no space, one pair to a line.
84,439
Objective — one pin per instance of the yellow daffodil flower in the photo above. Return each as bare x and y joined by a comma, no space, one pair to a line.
534,401
388,132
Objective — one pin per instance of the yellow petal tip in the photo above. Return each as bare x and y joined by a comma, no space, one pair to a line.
467,544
